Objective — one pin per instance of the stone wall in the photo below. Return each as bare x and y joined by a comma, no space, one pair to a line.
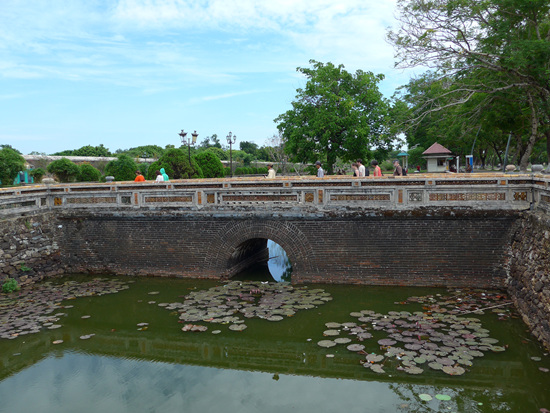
529,275
421,250
29,250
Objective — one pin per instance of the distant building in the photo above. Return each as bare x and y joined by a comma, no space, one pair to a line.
437,158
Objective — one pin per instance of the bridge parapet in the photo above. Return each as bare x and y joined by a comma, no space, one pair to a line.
471,191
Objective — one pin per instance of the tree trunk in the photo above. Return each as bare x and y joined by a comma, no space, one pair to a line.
532,139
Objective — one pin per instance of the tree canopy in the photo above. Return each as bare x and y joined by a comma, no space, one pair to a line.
11,162
336,115
176,163
122,169
482,52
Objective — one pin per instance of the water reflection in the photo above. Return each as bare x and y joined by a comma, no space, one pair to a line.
279,265
162,369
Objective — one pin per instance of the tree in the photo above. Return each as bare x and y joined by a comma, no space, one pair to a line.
176,164
11,162
219,152
147,151
122,169
64,170
210,165
88,173
336,115
248,147
485,48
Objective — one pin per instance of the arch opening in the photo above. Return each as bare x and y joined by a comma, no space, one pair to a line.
261,259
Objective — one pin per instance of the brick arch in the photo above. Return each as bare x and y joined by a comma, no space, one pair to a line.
287,235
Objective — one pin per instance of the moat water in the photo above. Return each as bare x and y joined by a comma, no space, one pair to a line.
124,352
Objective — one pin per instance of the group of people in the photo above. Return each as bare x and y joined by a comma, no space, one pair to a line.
359,169
162,176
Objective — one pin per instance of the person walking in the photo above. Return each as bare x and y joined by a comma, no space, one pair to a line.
377,170
398,171
320,172
354,169
361,168
159,178
164,175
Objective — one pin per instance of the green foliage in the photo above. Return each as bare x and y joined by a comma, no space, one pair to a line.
64,170
151,151
88,173
87,150
11,162
220,153
210,165
336,115
37,174
176,163
123,169
24,268
10,285
386,166
248,147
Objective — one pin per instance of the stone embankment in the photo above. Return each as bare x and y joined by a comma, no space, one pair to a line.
529,276
29,250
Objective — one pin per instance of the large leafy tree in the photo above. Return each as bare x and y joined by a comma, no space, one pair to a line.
482,48
210,165
11,162
336,115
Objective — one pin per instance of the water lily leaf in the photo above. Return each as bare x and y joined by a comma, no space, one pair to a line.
331,333
425,397
443,397
387,342
377,368
454,371
332,325
57,341
342,340
326,343
544,369
536,358
413,370
374,358
355,347
435,365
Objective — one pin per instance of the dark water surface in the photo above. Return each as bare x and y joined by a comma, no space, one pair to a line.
269,367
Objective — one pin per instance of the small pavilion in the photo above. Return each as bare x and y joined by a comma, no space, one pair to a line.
437,158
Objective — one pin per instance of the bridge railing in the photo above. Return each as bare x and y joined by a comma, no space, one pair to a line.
476,191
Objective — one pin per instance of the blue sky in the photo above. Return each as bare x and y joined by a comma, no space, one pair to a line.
125,73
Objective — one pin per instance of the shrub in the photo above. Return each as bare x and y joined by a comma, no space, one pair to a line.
387,166
220,153
11,163
88,173
37,174
176,163
122,169
10,285
64,170
210,165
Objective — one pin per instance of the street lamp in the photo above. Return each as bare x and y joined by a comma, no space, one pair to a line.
231,140
190,142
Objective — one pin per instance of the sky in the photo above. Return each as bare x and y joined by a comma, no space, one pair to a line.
125,73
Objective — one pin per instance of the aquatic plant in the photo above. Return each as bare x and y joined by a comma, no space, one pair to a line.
10,285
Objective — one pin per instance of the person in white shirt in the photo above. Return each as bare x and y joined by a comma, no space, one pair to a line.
320,172
270,171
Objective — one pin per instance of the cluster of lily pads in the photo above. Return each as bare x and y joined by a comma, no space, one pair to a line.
232,302
37,307
414,342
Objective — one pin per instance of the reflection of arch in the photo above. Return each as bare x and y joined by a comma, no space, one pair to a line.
234,234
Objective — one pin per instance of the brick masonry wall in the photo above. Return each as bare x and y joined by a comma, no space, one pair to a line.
529,276
29,250
411,250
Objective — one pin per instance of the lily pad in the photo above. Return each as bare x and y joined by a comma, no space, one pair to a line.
374,358
443,397
425,397
413,370
454,371
387,342
355,347
326,343
331,333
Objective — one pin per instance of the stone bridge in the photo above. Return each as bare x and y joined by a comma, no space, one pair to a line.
419,230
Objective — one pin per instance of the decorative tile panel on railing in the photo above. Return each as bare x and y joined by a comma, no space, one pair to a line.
359,197
169,199
92,200
483,196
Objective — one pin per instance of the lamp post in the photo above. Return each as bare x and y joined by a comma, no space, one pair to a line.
190,142
231,139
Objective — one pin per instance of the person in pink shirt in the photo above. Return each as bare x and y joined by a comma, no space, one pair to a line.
377,170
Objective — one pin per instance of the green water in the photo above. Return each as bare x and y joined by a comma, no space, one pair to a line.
269,367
